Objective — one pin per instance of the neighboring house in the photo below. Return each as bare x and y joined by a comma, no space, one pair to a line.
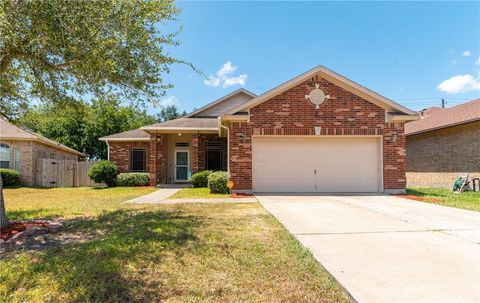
279,141
444,144
21,148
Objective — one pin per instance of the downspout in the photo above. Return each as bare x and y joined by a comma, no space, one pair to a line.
108,151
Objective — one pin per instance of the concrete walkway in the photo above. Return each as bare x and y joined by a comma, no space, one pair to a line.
155,197
161,197
385,248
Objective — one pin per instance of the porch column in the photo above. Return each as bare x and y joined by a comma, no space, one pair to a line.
195,160
152,160
157,159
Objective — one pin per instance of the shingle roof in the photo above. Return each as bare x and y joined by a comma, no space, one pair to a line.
13,132
130,134
140,134
435,117
185,123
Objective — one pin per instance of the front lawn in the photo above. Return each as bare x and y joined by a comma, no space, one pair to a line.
157,253
443,196
197,193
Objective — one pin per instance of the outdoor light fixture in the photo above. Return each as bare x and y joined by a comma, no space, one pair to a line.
179,134
393,138
244,138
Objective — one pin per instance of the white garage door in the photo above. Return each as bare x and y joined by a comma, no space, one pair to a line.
301,164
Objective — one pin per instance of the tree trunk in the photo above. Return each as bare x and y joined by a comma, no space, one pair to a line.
3,213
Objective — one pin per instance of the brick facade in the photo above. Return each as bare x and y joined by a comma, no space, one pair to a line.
157,153
289,113
436,158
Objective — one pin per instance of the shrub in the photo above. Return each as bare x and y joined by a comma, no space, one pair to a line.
217,182
200,179
133,179
103,172
10,177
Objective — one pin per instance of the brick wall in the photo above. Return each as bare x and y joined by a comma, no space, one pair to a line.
437,158
199,145
120,154
290,113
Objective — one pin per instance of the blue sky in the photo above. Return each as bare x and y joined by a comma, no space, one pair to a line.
412,52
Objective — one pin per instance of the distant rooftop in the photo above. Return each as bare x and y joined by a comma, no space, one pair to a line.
436,117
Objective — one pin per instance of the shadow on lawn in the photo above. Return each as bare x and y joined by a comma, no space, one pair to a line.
96,271
419,193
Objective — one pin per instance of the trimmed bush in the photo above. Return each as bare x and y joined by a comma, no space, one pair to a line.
104,172
10,177
217,182
200,179
133,179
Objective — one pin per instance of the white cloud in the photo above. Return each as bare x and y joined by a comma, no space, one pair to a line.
170,100
460,84
240,80
226,69
466,53
225,78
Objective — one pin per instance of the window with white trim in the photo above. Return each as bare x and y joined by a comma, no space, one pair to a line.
4,155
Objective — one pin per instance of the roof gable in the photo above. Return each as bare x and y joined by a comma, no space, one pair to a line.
336,79
435,118
224,104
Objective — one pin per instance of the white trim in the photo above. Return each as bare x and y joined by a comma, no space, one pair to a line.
240,90
124,139
108,151
182,150
334,78
180,128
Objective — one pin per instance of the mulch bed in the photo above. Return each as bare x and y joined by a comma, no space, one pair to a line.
422,199
17,227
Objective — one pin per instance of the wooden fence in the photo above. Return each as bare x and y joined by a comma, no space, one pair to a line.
63,173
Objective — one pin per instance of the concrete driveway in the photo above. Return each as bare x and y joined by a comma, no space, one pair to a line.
385,248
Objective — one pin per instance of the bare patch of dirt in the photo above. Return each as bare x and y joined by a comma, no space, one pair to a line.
47,241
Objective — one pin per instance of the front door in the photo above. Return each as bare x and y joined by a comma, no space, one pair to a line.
181,166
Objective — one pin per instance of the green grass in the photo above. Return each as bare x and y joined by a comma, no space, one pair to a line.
197,193
162,253
443,196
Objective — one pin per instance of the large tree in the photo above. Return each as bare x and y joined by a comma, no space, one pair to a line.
58,49
169,112
79,124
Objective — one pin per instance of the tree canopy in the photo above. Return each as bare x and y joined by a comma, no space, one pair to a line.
169,112
53,49
80,124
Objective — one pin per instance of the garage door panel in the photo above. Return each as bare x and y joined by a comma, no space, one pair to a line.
299,164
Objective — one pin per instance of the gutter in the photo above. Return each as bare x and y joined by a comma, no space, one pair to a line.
220,126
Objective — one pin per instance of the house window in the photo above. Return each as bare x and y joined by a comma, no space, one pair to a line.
4,156
214,156
138,160
16,159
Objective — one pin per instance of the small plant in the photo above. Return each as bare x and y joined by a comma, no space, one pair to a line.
10,177
200,179
133,179
104,172
217,182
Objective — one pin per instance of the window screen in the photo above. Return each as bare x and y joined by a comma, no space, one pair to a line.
138,160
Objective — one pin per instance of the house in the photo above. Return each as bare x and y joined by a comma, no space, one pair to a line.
283,140
20,149
443,144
